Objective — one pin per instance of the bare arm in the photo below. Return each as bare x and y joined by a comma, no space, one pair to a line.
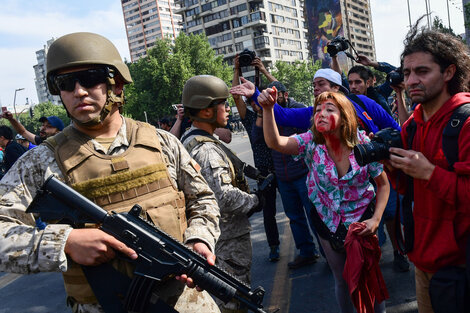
259,64
335,64
176,129
19,128
283,144
364,60
403,113
383,191
241,105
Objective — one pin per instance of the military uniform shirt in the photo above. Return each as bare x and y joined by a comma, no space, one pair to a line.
233,202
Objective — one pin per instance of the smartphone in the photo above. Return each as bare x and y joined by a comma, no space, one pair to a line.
175,107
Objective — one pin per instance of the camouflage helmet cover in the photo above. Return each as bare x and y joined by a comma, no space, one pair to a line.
79,49
201,91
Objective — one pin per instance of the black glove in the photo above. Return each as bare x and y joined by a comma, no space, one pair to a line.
261,203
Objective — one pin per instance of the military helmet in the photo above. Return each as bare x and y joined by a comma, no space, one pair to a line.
201,91
78,49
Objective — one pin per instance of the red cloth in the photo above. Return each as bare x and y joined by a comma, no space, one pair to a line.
362,271
441,205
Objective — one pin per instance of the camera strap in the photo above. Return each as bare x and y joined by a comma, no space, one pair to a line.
450,147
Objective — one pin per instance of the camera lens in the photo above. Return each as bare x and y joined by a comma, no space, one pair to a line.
395,78
370,152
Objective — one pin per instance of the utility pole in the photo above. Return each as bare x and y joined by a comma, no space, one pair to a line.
409,13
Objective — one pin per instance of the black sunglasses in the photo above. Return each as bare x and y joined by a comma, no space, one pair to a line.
87,78
216,103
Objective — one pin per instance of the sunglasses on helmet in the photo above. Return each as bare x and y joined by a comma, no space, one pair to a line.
86,78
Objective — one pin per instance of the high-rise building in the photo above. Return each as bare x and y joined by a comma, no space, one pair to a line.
149,20
40,73
350,19
466,17
274,29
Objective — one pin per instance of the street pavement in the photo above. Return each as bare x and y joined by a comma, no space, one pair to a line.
304,290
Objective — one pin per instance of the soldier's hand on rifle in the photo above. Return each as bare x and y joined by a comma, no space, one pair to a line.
92,246
261,203
203,250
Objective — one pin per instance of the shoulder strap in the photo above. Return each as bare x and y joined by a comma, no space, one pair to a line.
450,136
240,166
358,100
405,242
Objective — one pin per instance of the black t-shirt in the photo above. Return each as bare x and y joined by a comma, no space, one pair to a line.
38,140
12,152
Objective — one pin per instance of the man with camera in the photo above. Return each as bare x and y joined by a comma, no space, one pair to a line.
361,80
436,68
252,120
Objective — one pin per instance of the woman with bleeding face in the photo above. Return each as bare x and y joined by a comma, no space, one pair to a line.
338,187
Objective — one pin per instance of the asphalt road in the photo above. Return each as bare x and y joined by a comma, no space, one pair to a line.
308,289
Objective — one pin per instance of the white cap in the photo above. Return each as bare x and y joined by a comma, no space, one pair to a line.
333,77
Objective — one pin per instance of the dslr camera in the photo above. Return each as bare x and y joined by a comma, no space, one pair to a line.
246,57
395,78
377,148
338,44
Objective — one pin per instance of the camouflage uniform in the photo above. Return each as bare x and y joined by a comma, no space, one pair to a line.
25,249
233,249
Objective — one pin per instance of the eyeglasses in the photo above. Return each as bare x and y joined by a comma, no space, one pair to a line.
87,78
220,102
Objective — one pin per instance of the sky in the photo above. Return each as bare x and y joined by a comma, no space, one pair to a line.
26,26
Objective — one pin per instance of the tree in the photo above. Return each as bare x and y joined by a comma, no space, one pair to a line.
437,25
298,78
159,78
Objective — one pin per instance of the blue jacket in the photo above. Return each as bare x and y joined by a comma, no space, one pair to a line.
374,119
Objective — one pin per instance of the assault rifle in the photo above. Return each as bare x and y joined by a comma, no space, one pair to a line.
160,256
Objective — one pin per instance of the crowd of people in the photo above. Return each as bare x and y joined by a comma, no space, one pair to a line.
189,184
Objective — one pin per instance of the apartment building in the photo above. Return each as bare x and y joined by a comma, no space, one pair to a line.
350,19
40,73
274,29
149,20
359,30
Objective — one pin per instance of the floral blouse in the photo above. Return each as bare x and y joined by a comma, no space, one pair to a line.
337,199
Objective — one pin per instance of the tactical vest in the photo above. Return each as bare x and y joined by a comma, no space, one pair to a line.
137,176
238,179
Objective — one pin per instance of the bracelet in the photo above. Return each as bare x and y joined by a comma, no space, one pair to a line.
260,115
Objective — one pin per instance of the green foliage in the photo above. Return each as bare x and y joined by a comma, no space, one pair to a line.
379,76
437,25
43,109
466,13
159,78
298,78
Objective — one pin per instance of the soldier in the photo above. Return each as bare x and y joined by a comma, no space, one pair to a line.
114,161
205,102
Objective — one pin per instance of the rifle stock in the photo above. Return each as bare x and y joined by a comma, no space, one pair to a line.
159,254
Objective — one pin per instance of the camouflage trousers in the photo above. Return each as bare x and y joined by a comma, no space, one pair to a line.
234,256
188,301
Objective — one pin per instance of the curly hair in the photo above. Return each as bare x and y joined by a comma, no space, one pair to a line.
348,128
445,49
